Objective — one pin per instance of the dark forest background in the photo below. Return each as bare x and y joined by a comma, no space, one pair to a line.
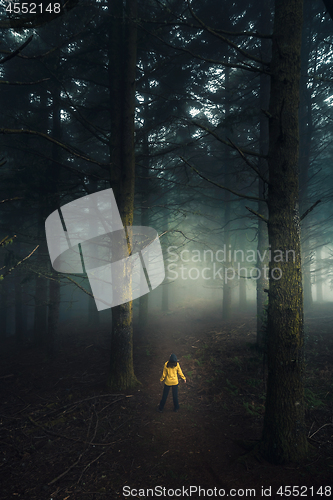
212,123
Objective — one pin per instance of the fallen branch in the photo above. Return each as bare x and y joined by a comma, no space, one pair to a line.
56,410
66,471
86,467
56,434
96,427
325,425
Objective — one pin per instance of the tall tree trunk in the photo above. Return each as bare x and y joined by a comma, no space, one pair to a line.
306,131
19,328
18,301
284,437
122,69
165,286
145,188
262,262
42,184
226,300
242,282
242,294
319,276
54,285
3,309
93,313
53,316
41,292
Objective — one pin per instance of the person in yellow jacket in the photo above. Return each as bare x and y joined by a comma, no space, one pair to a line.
171,370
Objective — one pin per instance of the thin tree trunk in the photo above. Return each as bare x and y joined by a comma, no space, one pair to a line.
242,282
226,300
41,294
165,286
53,316
3,309
306,131
262,262
53,204
242,294
19,333
319,277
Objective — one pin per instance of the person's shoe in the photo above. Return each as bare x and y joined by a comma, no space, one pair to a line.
175,410
159,410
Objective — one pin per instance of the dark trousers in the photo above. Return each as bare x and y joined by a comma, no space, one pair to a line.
174,396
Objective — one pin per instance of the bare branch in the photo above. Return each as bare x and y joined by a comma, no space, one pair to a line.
224,39
240,195
4,82
309,210
48,277
329,7
54,141
81,287
18,263
11,199
6,240
228,143
244,66
17,51
248,162
180,22
257,214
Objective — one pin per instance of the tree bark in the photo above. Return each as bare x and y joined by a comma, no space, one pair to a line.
19,328
284,437
145,188
226,300
41,294
306,131
262,282
4,289
122,69
166,286
53,203
319,276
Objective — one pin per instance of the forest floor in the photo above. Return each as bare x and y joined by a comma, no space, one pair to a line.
64,436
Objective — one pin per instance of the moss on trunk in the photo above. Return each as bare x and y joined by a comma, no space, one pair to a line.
122,68
284,437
